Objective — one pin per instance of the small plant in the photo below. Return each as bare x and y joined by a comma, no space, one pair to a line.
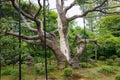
6,72
114,57
107,69
68,72
39,69
117,77
86,65
95,64
109,61
102,58
9,71
83,65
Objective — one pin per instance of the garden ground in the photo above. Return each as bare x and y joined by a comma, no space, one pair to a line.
100,71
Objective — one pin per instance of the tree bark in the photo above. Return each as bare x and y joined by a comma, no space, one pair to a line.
64,46
75,60
80,49
63,29
61,60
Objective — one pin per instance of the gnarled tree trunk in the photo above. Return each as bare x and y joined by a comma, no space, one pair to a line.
62,52
63,29
64,46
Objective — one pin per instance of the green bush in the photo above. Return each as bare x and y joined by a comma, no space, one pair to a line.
86,65
114,57
107,69
117,77
6,72
9,71
95,64
102,58
51,67
83,65
68,72
110,61
39,68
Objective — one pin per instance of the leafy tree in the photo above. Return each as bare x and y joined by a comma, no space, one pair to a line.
107,37
61,49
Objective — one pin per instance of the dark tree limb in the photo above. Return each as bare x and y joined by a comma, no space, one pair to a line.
40,7
70,6
22,36
22,12
86,12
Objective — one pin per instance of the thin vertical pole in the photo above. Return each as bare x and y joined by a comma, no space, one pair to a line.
45,49
0,46
20,77
84,36
0,9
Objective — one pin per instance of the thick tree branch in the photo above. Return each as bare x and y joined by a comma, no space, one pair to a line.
86,12
22,36
59,5
37,21
27,25
22,12
70,6
50,39
36,42
40,7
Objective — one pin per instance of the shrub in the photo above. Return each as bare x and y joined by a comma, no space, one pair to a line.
9,71
6,72
51,67
107,69
109,61
39,68
68,72
102,58
114,57
86,65
117,77
95,64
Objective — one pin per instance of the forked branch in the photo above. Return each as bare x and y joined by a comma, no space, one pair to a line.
40,7
86,12
22,12
70,6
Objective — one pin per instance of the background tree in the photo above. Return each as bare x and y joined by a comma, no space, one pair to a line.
109,26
